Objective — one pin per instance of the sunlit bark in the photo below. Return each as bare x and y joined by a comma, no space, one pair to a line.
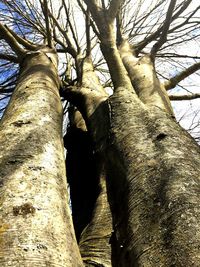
133,171
36,227
143,76
152,184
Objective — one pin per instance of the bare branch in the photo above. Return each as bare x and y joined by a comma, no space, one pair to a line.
11,40
184,97
88,40
24,19
165,28
71,49
71,26
22,41
9,58
156,34
186,20
60,42
48,29
174,55
139,22
171,83
91,21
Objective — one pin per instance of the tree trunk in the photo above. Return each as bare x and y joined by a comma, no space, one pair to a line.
153,165
35,227
90,207
94,243
141,71
153,175
153,182
85,168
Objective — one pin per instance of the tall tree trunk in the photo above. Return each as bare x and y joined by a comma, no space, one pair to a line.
90,207
153,165
85,168
153,182
35,221
153,175
94,243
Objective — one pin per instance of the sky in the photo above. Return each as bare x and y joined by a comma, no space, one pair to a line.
183,109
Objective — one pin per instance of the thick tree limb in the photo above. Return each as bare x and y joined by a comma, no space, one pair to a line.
94,8
147,87
184,97
119,28
113,9
171,83
28,45
11,40
48,29
108,46
165,29
71,49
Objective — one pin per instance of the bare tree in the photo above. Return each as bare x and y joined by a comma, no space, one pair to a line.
133,171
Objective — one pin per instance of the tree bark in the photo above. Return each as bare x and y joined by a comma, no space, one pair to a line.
141,71
35,222
90,208
153,186
153,183
94,243
85,168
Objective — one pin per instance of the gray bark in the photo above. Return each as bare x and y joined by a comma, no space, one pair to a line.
153,182
35,221
152,164
153,175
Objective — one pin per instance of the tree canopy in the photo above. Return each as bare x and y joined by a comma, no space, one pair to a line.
168,31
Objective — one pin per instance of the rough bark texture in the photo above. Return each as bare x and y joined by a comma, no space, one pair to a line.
86,173
153,183
143,76
153,186
35,221
94,243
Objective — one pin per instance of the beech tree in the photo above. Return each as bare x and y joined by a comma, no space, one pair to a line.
112,68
